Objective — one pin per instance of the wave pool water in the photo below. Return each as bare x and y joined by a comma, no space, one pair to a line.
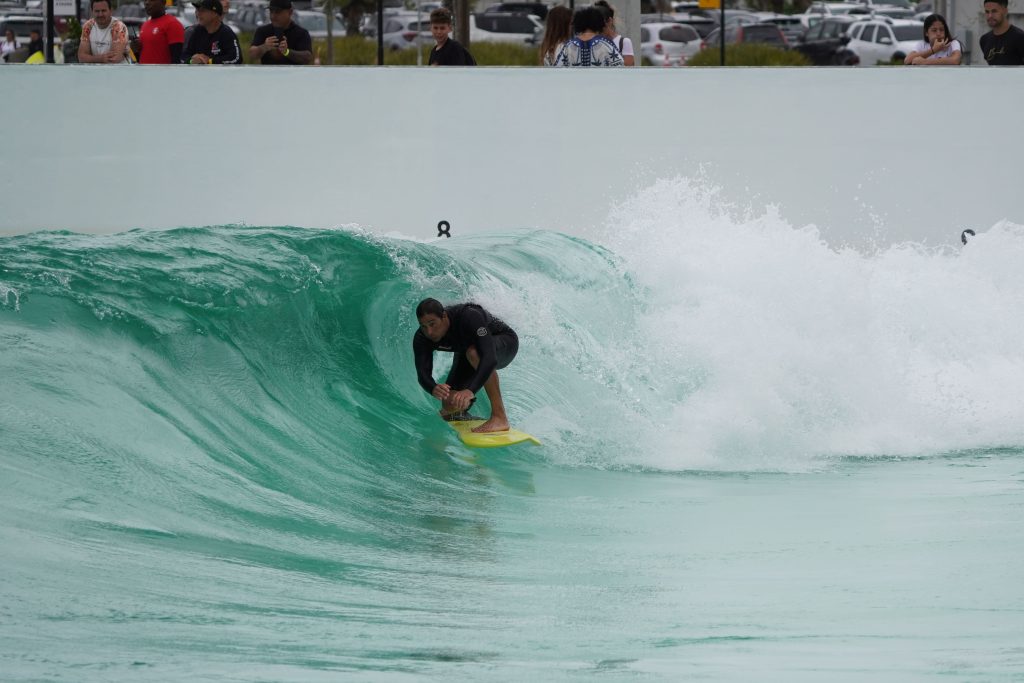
765,457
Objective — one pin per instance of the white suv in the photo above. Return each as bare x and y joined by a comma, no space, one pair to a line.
884,40
505,27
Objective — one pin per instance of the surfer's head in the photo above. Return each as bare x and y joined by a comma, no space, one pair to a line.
433,319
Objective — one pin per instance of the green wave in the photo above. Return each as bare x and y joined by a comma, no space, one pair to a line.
264,374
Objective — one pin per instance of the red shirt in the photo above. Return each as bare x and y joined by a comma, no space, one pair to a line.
157,35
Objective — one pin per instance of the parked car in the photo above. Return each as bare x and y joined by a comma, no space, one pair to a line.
890,11
825,42
769,34
22,25
790,24
505,27
668,44
732,16
406,30
249,17
884,40
832,8
368,24
315,21
536,8
701,24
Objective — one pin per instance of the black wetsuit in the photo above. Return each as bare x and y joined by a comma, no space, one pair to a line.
470,325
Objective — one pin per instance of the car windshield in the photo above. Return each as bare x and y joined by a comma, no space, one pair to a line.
703,28
677,34
762,34
904,33
834,29
314,21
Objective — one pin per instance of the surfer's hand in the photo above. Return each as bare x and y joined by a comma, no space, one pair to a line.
460,400
441,392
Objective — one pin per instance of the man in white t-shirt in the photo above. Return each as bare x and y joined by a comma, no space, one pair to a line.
104,38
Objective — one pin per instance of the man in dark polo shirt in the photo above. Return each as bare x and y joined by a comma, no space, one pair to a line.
1004,44
212,42
447,52
282,41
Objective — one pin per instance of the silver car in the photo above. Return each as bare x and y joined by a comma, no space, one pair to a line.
668,44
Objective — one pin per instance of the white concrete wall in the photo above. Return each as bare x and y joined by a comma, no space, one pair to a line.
886,154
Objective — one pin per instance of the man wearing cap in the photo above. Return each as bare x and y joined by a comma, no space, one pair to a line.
213,42
282,41
160,38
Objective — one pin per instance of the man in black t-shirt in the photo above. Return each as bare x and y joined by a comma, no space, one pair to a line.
1004,44
282,41
447,51
212,42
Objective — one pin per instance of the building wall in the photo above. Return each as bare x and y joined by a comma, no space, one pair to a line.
865,155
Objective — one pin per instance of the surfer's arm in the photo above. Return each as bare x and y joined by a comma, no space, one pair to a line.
423,354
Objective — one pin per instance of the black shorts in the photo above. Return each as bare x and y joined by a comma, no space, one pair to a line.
506,346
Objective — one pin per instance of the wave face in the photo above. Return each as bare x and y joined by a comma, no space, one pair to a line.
684,337
213,448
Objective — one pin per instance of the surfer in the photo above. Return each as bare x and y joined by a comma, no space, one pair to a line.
482,345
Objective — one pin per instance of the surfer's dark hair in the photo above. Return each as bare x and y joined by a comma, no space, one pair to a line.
428,307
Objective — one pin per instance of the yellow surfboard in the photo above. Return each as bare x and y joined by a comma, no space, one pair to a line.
464,428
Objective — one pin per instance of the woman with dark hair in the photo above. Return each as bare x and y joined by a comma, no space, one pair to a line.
589,47
557,30
9,44
611,31
938,48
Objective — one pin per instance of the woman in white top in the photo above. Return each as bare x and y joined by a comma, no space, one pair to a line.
9,44
624,44
938,48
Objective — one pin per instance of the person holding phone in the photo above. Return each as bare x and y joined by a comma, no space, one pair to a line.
282,41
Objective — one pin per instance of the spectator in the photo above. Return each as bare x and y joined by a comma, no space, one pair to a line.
1004,44
9,45
557,30
213,42
160,38
190,29
104,38
447,51
35,42
938,48
282,41
624,44
588,47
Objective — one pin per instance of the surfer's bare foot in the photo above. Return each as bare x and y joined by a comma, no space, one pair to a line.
493,425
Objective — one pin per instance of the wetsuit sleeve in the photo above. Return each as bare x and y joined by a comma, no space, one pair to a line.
473,323
423,354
